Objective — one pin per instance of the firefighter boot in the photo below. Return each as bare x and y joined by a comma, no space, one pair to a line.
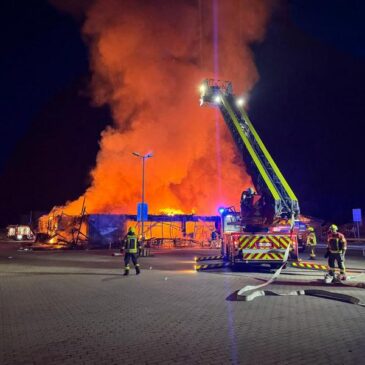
138,271
126,271
337,279
312,255
328,279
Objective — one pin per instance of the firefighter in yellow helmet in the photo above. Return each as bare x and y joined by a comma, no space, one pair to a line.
130,250
336,250
311,242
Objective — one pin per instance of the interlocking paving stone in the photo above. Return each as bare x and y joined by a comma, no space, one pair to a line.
72,313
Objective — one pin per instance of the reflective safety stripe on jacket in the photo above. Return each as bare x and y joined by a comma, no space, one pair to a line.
131,243
311,239
336,242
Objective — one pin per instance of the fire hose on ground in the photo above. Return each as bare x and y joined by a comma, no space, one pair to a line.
251,292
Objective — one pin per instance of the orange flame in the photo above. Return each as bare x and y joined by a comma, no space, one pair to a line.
147,60
171,211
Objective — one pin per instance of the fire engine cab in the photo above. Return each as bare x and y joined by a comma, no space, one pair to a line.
265,230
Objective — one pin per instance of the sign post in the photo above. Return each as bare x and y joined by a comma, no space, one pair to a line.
142,208
357,219
142,212
142,216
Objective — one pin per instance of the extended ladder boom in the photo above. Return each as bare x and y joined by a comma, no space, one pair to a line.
268,180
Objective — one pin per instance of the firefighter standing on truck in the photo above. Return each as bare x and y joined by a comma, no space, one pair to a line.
311,243
246,203
130,246
336,249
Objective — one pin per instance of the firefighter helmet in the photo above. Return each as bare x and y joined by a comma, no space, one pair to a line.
131,230
310,229
333,228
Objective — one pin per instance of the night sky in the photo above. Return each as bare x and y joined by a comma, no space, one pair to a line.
311,87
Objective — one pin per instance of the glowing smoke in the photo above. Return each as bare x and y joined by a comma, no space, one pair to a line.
147,60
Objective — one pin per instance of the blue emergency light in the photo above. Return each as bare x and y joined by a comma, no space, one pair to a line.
221,210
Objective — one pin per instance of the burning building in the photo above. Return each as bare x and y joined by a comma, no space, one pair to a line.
147,59
107,230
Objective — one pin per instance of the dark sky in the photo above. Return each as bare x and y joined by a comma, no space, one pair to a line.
311,88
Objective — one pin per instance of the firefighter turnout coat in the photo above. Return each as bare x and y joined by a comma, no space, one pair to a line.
131,243
336,242
336,248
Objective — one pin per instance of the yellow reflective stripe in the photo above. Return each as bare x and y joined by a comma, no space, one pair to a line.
285,239
251,151
252,243
268,156
276,242
285,243
211,266
306,265
245,239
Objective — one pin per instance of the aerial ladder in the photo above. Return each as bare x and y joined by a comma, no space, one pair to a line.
264,233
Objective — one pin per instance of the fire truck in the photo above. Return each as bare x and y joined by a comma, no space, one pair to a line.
266,229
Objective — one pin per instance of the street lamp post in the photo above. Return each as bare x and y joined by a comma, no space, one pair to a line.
143,157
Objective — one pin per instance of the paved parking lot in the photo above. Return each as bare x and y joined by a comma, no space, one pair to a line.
77,308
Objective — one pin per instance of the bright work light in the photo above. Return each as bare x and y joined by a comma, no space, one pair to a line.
241,102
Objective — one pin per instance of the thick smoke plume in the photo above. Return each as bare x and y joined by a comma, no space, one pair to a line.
148,58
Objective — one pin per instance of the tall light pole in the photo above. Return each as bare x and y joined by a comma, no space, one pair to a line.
143,157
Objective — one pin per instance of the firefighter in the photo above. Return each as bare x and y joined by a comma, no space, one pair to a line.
214,242
336,249
311,242
247,197
130,250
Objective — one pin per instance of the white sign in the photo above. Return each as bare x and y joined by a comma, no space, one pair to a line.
356,215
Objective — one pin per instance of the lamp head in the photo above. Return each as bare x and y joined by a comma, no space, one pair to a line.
221,210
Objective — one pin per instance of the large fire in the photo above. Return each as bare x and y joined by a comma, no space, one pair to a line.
147,60
171,211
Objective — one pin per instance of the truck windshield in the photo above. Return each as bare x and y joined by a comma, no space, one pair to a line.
231,223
